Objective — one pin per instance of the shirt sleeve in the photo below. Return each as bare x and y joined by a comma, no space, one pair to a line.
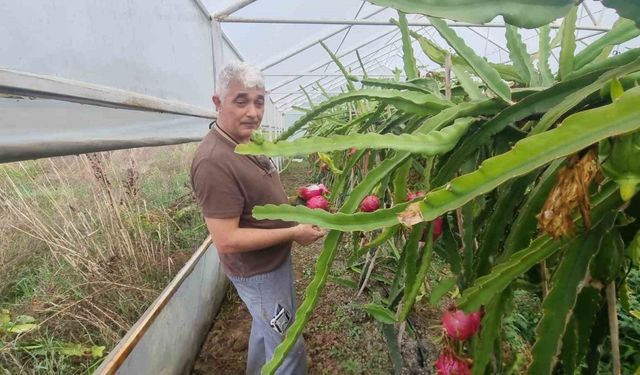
217,191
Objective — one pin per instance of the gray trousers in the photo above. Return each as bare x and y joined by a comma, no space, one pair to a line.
271,300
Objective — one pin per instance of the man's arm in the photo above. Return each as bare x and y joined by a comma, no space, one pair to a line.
230,238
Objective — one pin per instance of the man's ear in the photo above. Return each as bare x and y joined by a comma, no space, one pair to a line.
217,101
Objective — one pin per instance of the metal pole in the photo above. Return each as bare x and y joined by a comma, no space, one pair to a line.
329,85
278,59
203,9
232,46
19,83
593,19
218,51
375,38
330,82
366,59
389,43
223,14
374,23
318,75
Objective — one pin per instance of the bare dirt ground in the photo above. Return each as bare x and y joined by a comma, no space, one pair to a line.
341,338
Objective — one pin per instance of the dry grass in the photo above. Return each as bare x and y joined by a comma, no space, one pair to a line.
87,242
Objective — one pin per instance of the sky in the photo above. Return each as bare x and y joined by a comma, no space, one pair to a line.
261,43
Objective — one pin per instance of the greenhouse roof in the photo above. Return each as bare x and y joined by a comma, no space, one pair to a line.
151,69
283,38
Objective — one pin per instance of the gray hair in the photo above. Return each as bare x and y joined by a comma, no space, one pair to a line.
249,75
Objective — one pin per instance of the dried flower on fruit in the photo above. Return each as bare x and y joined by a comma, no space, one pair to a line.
571,191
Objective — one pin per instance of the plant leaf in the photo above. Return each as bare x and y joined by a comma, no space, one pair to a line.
379,240
569,352
575,98
539,102
585,313
410,68
441,289
577,132
343,282
525,224
608,63
520,57
5,317
332,239
480,66
97,351
599,333
22,328
348,77
562,297
338,221
622,31
391,339
531,15
503,214
438,55
467,83
568,43
433,143
380,313
25,319
420,102
391,84
486,287
491,327
544,51
400,179
625,8
415,269
633,251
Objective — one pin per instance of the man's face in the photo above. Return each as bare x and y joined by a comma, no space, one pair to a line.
241,110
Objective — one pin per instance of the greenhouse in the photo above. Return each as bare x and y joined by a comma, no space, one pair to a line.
468,171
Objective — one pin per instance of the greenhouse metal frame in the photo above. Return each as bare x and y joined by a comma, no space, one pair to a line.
29,99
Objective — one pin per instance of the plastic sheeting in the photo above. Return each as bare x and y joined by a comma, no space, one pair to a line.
143,48
35,128
158,49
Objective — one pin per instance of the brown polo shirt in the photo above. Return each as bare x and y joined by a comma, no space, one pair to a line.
229,185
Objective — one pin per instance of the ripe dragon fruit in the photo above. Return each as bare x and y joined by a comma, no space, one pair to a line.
448,364
459,325
437,228
308,192
411,195
318,202
370,203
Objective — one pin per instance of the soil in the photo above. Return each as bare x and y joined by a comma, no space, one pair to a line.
341,337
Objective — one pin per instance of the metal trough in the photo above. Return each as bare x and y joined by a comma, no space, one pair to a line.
168,337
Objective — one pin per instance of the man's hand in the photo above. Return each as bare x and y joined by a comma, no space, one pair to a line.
306,234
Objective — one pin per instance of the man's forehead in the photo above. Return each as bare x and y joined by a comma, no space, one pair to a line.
237,88
257,93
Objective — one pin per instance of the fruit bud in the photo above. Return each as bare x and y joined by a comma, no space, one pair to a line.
437,228
308,192
318,202
411,195
448,364
370,203
459,325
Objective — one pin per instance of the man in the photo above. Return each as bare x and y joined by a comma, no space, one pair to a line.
255,254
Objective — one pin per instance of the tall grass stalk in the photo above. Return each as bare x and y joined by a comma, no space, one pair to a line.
86,243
